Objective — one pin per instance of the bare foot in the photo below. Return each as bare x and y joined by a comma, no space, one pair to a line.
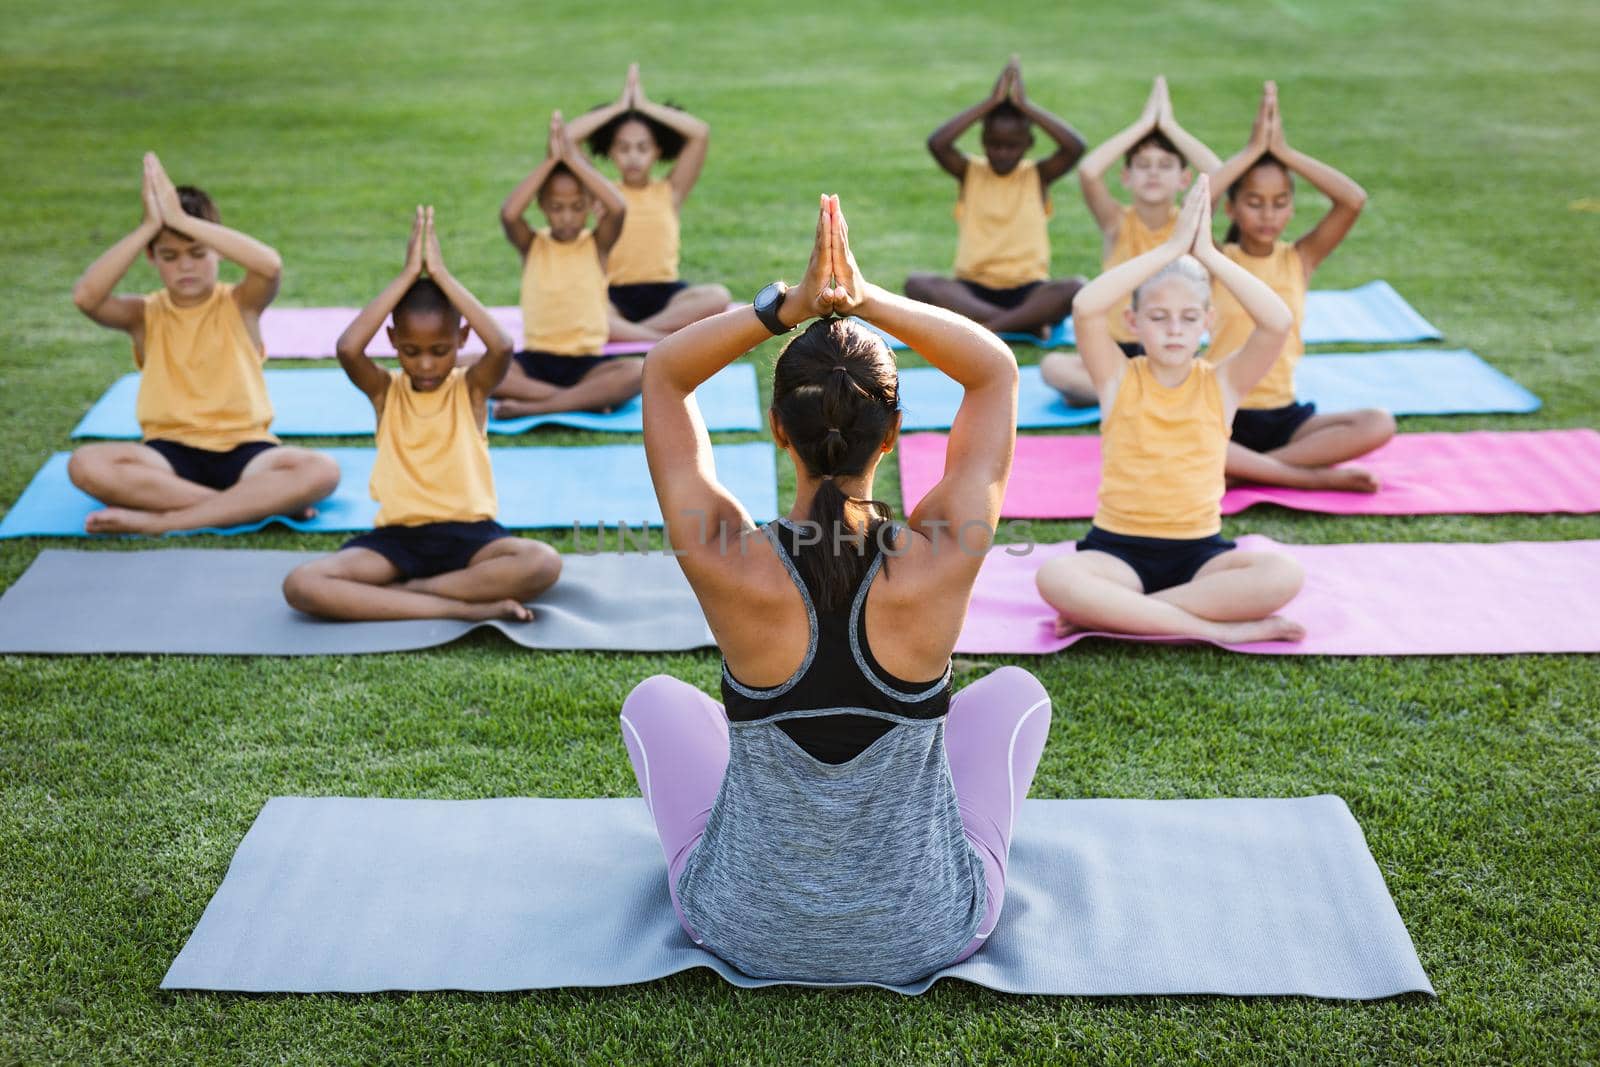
123,520
1065,627
1349,480
1271,628
498,609
513,409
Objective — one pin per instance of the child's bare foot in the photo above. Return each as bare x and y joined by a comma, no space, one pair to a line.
1271,628
123,520
1065,627
511,408
496,609
1349,480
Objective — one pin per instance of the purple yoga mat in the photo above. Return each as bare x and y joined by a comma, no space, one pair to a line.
1358,600
310,333
1482,472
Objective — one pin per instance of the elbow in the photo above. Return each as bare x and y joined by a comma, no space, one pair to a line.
85,300
272,265
1358,199
500,346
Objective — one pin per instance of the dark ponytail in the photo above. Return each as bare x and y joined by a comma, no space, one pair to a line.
1265,159
836,394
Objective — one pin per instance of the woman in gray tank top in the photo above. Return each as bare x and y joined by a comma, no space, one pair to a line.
839,817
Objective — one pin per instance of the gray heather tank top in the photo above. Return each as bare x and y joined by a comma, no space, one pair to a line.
835,871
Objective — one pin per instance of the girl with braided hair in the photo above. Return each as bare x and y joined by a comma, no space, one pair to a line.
840,816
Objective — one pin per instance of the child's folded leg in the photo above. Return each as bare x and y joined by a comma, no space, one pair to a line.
1238,587
1325,439
279,481
689,305
1269,468
356,584
513,568
620,328
126,475
1065,373
1096,591
1040,310
951,294
607,385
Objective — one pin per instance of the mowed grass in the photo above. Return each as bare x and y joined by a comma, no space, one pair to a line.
127,782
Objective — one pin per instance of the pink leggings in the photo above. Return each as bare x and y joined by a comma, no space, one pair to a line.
677,738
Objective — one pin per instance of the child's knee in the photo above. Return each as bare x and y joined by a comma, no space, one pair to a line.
1283,575
300,588
320,471
1059,369
1055,582
1378,425
541,567
715,295
83,470
921,286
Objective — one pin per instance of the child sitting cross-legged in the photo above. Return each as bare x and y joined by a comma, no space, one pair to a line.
436,551
1002,272
563,366
1154,561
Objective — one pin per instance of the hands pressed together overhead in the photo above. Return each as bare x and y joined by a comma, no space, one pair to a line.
161,203
1192,232
833,284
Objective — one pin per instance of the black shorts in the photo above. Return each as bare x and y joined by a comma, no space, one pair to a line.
431,548
1160,562
640,300
1263,429
1131,348
1001,298
563,372
215,470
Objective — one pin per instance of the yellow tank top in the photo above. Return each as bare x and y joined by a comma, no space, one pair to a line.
1285,273
564,296
1162,455
1134,238
1002,228
201,383
433,457
647,251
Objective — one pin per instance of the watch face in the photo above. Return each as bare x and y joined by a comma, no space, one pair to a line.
767,297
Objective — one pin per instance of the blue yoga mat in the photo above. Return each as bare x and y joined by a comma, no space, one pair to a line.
929,399
1368,314
1418,382
1104,898
537,487
1427,382
321,402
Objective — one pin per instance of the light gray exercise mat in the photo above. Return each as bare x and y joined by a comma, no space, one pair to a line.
1106,898
228,602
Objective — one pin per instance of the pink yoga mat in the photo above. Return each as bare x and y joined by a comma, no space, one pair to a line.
1482,472
1358,600
310,333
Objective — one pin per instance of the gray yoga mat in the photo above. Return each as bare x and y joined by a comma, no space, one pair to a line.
222,601
1106,897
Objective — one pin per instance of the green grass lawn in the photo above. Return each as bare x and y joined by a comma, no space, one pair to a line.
127,782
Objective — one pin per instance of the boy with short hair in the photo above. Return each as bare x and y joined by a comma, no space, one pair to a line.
208,457
1158,158
436,551
565,299
1002,270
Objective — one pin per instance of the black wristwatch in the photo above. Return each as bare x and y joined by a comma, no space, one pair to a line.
767,304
